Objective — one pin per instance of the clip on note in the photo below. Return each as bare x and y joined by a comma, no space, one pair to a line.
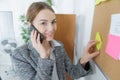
98,38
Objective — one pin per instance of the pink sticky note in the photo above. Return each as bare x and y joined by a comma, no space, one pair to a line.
113,46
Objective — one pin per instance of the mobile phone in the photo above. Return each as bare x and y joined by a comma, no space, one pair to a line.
32,27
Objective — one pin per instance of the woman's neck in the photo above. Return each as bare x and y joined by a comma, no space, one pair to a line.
47,44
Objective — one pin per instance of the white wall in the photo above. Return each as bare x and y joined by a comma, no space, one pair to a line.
64,6
84,13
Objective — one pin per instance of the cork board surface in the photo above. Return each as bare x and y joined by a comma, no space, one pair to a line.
101,23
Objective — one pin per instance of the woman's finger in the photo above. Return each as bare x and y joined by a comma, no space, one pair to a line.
33,38
92,49
92,44
32,35
38,39
91,41
94,54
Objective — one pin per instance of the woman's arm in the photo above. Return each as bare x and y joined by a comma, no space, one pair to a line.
83,66
26,71
76,71
90,52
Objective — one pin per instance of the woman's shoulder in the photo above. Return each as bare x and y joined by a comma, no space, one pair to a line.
21,50
60,46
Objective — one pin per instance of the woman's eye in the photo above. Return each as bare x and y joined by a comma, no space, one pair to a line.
44,23
53,22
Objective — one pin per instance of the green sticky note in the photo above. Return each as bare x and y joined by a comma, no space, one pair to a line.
98,38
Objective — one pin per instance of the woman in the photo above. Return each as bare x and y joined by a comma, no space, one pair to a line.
48,60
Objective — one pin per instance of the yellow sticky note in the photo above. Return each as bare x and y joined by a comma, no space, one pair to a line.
98,2
98,38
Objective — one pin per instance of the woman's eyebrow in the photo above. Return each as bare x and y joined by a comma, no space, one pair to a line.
47,20
43,20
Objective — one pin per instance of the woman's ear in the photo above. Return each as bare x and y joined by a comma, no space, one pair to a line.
28,23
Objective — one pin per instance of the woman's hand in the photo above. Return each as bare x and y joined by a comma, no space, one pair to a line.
37,44
90,52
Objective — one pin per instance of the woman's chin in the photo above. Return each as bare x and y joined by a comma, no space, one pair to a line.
49,39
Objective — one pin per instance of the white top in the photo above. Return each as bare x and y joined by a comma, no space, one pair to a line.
52,56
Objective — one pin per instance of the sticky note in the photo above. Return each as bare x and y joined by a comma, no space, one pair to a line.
113,46
97,2
98,38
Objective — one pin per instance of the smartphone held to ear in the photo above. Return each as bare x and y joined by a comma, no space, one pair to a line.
32,27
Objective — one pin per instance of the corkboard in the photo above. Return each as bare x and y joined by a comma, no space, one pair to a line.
101,23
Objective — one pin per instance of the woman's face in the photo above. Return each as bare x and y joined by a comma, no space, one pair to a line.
45,22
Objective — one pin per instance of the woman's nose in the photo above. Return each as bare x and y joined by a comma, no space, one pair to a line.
50,27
